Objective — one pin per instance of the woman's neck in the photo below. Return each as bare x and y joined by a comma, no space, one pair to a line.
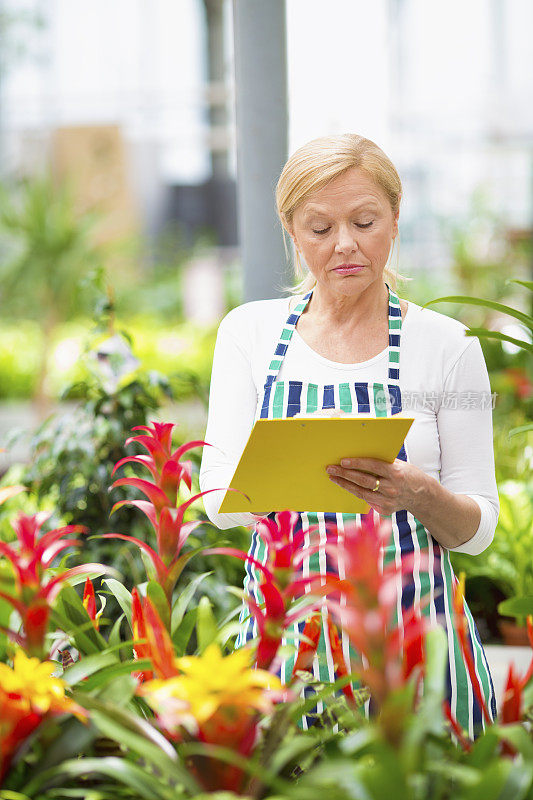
368,307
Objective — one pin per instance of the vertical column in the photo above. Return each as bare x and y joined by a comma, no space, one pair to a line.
261,108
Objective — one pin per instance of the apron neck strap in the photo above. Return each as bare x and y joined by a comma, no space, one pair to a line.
395,326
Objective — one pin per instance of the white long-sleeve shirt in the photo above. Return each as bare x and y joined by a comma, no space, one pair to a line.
443,380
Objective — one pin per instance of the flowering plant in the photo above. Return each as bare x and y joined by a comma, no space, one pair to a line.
184,714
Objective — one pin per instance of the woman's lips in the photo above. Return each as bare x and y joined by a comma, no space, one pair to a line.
348,269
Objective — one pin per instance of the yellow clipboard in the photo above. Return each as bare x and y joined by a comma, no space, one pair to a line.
283,463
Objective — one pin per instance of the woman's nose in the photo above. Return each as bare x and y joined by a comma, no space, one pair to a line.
346,240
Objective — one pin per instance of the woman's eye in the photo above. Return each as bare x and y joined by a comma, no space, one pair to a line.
365,224
324,230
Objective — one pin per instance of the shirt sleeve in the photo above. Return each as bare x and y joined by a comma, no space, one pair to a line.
464,422
232,406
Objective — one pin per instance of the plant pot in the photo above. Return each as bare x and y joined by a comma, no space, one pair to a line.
513,634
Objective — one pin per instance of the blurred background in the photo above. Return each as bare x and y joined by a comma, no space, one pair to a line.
140,143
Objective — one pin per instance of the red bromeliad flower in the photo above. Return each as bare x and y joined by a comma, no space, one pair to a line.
511,710
308,647
282,580
156,645
89,602
141,649
512,706
31,557
366,606
166,518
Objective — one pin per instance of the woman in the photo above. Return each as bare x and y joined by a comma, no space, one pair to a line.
352,345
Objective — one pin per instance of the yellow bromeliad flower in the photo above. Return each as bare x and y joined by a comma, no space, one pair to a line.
28,694
211,685
34,685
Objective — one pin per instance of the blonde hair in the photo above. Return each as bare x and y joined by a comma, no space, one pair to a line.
322,160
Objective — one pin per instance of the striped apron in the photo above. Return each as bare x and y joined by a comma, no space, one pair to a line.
432,584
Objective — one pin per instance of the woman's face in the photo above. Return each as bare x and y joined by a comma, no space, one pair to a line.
345,231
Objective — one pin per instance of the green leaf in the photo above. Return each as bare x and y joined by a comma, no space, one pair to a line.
518,737
109,673
475,301
436,661
158,597
386,777
518,784
303,706
121,594
114,636
146,786
428,718
144,734
138,734
180,605
230,756
75,737
74,620
485,749
484,333
521,429
88,665
491,783
118,690
290,751
516,606
182,634
526,284
176,570
206,625
97,573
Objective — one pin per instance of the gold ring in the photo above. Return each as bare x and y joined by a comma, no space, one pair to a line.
376,487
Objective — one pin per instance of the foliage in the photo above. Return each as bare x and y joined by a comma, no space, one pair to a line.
524,318
51,250
513,455
19,359
73,453
484,253
507,562
182,353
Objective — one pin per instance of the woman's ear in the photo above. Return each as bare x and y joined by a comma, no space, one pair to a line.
293,237
395,224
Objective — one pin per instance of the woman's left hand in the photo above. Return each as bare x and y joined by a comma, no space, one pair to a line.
399,482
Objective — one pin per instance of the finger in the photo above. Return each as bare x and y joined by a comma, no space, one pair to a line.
351,487
366,480
373,465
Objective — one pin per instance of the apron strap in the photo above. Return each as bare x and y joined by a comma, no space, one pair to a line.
395,329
